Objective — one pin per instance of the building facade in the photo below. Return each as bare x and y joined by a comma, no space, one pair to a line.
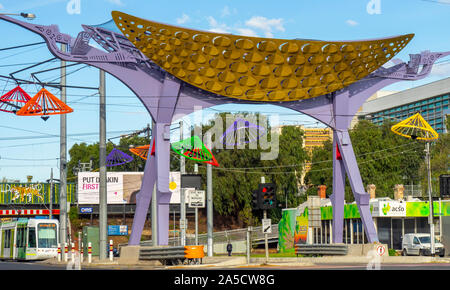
392,219
430,100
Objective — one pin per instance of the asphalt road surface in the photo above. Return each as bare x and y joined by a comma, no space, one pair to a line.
4,265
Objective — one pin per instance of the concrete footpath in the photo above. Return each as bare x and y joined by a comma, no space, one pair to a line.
241,261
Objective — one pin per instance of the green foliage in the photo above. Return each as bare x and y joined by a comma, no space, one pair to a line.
392,252
440,163
240,173
74,218
384,159
84,153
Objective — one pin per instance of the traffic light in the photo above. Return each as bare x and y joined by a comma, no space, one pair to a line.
256,200
444,185
268,193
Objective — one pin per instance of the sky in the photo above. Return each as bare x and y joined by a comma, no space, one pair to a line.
30,146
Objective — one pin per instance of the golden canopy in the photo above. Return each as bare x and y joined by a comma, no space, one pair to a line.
257,69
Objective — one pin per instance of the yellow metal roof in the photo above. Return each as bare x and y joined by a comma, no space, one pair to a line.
257,69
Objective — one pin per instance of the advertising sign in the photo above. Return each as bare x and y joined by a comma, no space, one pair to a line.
389,209
86,209
121,230
122,187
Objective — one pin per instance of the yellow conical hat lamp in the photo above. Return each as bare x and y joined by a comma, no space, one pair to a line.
415,127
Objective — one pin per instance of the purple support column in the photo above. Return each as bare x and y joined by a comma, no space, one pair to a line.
157,167
338,196
361,196
143,200
166,109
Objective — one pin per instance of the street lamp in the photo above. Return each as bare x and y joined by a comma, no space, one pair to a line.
416,128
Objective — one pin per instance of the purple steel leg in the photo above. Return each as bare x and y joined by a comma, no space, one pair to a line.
143,200
157,168
338,196
361,196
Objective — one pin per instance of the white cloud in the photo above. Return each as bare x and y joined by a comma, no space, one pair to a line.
351,22
247,32
265,24
215,26
227,11
116,2
183,19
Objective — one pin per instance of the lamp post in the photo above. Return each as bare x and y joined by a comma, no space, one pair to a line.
430,217
29,16
416,128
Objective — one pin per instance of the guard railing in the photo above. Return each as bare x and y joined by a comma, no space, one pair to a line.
321,249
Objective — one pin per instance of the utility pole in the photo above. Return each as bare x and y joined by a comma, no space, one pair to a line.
196,211
430,217
182,194
103,206
209,202
266,244
63,157
50,216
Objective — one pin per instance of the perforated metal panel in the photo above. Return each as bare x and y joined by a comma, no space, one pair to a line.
257,69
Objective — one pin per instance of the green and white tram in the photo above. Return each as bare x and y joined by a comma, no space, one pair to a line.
29,239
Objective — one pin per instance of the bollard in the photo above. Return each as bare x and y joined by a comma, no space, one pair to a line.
65,252
89,252
72,254
59,252
82,253
111,250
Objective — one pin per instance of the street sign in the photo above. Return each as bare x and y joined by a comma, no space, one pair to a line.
267,226
118,230
197,198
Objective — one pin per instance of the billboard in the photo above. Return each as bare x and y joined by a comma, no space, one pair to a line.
122,187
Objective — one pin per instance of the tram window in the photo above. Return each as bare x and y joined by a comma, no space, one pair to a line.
47,236
7,242
31,238
19,237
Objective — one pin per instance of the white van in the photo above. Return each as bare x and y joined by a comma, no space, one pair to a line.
419,244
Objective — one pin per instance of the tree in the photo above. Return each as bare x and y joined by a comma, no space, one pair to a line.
440,163
241,169
84,153
384,159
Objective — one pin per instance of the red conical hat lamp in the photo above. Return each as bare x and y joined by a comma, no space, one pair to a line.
44,103
14,100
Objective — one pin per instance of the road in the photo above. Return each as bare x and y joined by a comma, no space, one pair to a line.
28,266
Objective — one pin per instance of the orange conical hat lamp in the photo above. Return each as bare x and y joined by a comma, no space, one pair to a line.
415,127
12,101
44,103
142,151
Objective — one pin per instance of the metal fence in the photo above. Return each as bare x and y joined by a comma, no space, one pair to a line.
223,237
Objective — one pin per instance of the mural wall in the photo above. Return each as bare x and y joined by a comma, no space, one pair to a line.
33,193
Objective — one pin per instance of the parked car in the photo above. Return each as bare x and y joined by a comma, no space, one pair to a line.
419,244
